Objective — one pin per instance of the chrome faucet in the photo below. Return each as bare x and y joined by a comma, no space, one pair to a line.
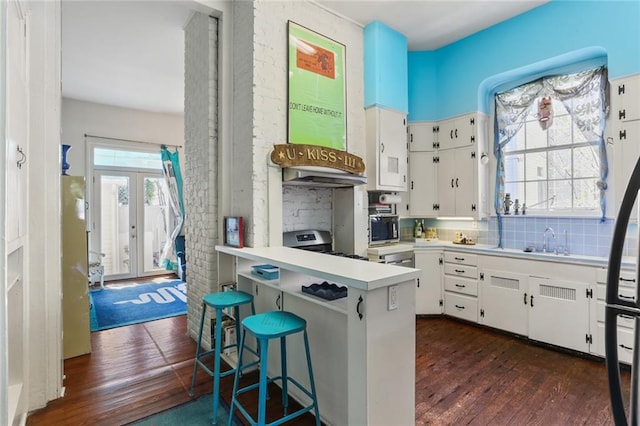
544,239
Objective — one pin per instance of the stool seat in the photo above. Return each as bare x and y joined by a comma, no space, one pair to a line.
271,325
227,299
264,327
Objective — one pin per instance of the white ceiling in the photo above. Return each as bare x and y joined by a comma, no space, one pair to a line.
127,54
430,24
130,53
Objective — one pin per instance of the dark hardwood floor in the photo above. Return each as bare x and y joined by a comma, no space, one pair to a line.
464,375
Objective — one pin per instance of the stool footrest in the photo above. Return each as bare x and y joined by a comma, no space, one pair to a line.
277,422
271,380
211,373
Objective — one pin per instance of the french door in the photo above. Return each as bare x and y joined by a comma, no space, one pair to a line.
130,222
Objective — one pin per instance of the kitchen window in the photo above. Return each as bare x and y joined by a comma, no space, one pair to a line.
553,170
549,145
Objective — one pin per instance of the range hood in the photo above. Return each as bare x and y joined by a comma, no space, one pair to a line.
320,176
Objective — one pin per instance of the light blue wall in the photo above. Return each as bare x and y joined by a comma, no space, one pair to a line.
423,83
385,67
554,29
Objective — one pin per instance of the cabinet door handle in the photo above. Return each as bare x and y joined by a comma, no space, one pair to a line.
531,301
459,307
626,347
460,271
451,134
452,183
23,157
456,133
625,297
628,280
381,147
456,182
459,258
360,300
460,285
418,282
525,299
278,302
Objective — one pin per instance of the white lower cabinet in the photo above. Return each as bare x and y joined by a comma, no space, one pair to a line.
429,284
559,312
625,324
461,306
554,308
266,298
461,285
504,300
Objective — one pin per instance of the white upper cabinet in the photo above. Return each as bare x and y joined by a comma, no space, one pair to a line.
422,136
628,92
446,176
457,182
624,130
423,184
457,132
386,149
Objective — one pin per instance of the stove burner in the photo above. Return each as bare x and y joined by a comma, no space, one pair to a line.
314,240
350,256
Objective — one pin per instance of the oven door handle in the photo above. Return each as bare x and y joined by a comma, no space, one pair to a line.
402,262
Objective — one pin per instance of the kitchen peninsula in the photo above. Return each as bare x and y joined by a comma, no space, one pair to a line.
362,346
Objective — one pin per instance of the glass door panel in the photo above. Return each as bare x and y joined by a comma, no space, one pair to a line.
115,225
156,220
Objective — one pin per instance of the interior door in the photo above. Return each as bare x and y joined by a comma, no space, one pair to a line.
131,218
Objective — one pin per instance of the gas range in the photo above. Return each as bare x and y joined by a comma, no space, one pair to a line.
314,240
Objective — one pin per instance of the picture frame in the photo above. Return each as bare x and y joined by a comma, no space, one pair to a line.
317,103
233,231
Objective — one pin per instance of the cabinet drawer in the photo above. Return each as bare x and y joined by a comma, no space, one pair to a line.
461,306
623,320
461,270
626,277
625,343
461,258
461,285
624,292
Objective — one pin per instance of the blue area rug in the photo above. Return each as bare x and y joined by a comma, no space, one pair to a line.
198,412
118,306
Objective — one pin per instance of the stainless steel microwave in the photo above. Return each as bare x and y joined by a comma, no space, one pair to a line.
383,229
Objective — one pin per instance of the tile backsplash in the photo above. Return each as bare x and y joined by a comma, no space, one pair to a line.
584,236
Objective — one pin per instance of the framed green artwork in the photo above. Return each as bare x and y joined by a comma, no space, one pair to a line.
317,85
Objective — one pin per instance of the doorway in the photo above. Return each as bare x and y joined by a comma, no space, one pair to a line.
130,216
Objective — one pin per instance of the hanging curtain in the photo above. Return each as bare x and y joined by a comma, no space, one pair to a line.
584,95
173,178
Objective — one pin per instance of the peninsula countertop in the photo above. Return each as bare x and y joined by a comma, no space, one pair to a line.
354,273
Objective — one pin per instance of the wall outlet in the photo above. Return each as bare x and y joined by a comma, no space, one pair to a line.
393,298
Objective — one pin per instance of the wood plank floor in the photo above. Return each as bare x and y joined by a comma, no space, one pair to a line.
464,375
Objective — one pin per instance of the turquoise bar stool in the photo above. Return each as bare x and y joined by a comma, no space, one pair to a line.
219,301
267,326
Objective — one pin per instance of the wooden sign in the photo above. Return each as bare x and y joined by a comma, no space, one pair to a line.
290,155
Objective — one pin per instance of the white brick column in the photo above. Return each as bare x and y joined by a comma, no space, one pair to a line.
201,170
